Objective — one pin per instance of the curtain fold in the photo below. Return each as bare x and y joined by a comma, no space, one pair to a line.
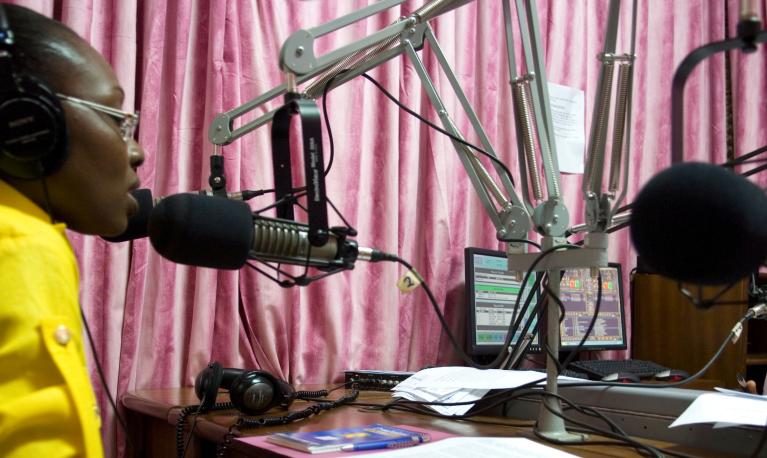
399,183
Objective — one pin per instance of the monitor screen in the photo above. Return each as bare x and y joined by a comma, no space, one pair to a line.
491,293
578,292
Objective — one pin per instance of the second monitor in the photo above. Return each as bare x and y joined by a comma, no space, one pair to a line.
578,292
491,293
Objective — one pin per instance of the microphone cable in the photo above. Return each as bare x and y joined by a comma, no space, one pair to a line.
181,445
538,308
732,336
411,112
597,306
446,328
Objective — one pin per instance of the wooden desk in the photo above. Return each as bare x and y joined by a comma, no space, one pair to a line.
152,417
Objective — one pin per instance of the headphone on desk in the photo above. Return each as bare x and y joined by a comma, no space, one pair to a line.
251,391
33,134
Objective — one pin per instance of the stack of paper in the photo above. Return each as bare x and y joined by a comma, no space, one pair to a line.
460,384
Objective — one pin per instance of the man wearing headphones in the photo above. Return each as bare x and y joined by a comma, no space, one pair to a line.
68,158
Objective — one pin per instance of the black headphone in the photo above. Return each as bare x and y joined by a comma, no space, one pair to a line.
251,391
33,136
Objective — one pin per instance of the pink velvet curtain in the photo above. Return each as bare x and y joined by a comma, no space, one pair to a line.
400,184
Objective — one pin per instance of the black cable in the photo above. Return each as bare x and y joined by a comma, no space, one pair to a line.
104,382
456,347
244,422
588,411
327,119
439,129
616,432
754,171
47,200
537,310
744,159
760,445
538,306
310,395
331,143
602,432
544,334
282,200
516,320
555,297
181,445
717,354
349,227
191,435
593,321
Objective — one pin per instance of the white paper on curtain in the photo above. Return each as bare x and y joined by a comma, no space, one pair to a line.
567,114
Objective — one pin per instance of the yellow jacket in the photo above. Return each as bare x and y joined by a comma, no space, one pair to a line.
47,405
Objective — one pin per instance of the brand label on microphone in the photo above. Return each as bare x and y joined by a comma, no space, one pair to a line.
410,281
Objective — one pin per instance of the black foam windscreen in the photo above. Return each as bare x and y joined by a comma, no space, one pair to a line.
138,224
700,223
202,231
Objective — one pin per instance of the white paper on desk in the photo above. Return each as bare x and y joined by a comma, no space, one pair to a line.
724,408
477,447
460,377
565,379
568,118
739,393
735,393
452,395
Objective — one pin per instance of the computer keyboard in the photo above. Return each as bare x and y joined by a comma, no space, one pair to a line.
598,368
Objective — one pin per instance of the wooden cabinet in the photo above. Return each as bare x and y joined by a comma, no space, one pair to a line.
668,329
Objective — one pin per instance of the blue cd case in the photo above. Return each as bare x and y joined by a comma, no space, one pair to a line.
335,440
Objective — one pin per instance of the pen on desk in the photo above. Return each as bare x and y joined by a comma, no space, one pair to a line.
395,443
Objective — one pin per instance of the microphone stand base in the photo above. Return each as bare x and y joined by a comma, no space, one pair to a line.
562,436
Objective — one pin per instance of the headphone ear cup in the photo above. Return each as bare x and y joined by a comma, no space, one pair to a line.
33,136
206,385
256,392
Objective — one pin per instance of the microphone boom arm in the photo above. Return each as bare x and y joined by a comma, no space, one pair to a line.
745,41
508,213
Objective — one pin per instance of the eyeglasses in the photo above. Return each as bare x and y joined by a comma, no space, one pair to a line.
128,121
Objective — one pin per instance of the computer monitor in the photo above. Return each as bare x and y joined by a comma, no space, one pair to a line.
578,293
491,293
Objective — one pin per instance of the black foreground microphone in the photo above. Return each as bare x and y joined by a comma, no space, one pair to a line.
205,231
700,223
138,224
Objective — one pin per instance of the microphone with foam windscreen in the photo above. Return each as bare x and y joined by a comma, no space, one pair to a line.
205,231
202,231
138,224
700,223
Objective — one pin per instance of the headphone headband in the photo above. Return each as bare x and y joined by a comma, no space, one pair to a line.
33,136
